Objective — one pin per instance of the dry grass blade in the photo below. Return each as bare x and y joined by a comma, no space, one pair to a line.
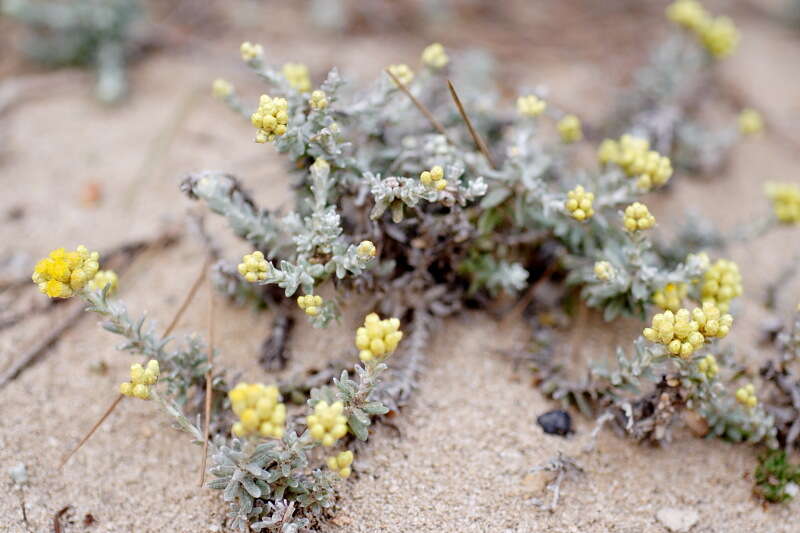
424,110
189,297
475,136
91,431
184,305
208,382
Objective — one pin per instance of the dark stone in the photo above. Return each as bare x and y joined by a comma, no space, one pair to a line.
556,422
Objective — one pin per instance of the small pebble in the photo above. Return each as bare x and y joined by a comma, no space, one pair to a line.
556,422
677,520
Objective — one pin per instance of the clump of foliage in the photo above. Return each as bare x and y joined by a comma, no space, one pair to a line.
421,195
94,33
777,479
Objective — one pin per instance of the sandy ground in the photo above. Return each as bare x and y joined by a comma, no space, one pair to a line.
469,437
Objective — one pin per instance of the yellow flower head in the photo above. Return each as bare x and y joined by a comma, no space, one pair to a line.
378,339
404,74
251,51
747,396
221,88
719,36
708,366
310,303
327,424
688,13
530,105
271,118
434,178
142,379
259,409
297,76
785,199
254,267
61,274
102,279
318,100
366,249
434,56
604,271
341,463
671,296
711,321
721,284
750,122
634,157
637,217
569,127
677,331
579,203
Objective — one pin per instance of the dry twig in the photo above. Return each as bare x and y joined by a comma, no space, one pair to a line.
475,136
424,110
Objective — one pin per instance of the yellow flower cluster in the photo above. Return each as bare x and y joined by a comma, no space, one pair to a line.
634,157
318,100
688,13
637,217
530,105
683,332
677,331
785,198
377,339
251,51
747,396
718,34
310,303
434,56
297,76
711,321
341,463
259,410
221,88
327,424
579,203
721,284
141,380
671,296
750,122
366,249
604,271
254,267
271,118
102,279
404,74
434,178
569,127
708,366
62,273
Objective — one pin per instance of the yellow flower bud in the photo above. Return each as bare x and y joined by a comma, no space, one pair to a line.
569,127
579,203
221,88
297,76
434,56
366,249
404,74
530,105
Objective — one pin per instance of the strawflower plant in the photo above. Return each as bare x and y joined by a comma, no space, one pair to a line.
421,195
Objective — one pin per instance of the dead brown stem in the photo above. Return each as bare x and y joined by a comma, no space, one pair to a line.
475,136
186,301
208,381
424,110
